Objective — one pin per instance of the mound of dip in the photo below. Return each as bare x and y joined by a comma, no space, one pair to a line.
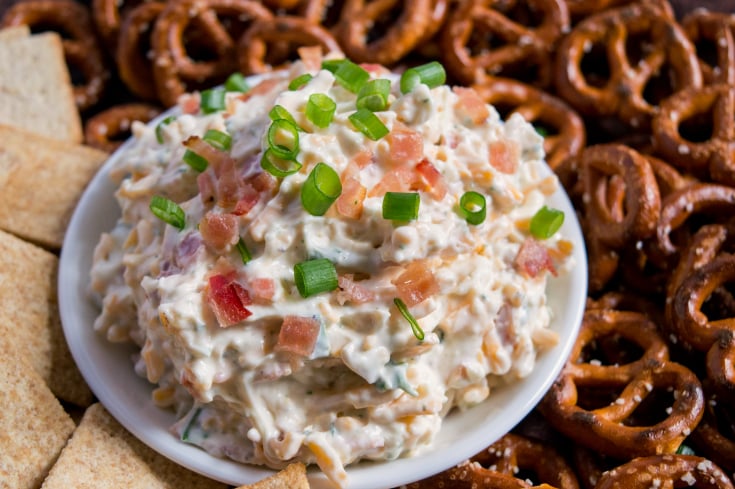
321,267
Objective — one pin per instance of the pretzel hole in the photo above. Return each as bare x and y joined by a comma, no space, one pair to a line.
595,66
524,14
652,409
697,128
720,304
660,86
199,46
706,51
638,45
484,40
593,397
611,349
383,23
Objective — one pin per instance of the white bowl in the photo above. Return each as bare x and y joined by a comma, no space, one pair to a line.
108,369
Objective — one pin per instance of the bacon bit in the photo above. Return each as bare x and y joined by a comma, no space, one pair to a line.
228,184
504,155
504,323
350,202
262,181
189,103
261,88
247,201
227,299
416,284
298,335
470,105
311,56
263,289
219,231
373,68
406,147
533,258
430,180
206,184
363,159
352,291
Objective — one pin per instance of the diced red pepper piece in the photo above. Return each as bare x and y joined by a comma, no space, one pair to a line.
227,299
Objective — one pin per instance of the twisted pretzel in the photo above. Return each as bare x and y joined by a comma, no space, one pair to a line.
294,31
713,31
108,129
566,136
665,472
174,70
621,198
82,54
471,58
622,92
108,16
713,104
133,64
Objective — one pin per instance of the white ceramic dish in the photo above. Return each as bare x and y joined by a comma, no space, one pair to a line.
108,370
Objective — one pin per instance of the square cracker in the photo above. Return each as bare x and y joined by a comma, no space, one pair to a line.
15,32
33,425
292,477
29,317
41,181
36,92
102,454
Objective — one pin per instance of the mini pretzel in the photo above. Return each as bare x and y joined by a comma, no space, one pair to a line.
567,136
718,30
714,437
583,8
621,94
721,366
174,71
80,47
108,129
621,196
665,472
108,16
294,31
471,58
713,156
133,45
398,24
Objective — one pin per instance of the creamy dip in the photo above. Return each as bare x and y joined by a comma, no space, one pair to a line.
262,373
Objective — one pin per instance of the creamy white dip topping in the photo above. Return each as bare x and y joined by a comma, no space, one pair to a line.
362,386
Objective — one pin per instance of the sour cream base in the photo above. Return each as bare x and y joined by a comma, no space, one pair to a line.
368,389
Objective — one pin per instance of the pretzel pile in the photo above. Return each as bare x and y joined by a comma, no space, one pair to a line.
637,103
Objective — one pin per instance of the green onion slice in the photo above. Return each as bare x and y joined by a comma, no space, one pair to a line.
315,276
300,81
244,251
369,124
431,74
331,65
283,139
278,167
218,139
415,327
401,206
546,222
197,162
320,109
473,208
374,95
685,450
237,82
321,188
168,211
351,76
212,100
280,112
159,128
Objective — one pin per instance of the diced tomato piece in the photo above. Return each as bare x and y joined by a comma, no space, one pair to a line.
219,230
352,291
298,335
430,180
416,284
470,106
504,155
406,147
189,103
363,159
350,202
533,258
396,180
263,289
311,56
227,299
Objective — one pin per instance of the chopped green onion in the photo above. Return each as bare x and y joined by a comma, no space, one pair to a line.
315,276
237,82
321,188
283,139
190,425
401,206
320,109
351,76
218,139
331,65
159,128
685,450
431,74
280,112
473,208
244,251
374,95
369,124
212,100
415,327
541,131
278,167
546,222
168,211
197,162
300,81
